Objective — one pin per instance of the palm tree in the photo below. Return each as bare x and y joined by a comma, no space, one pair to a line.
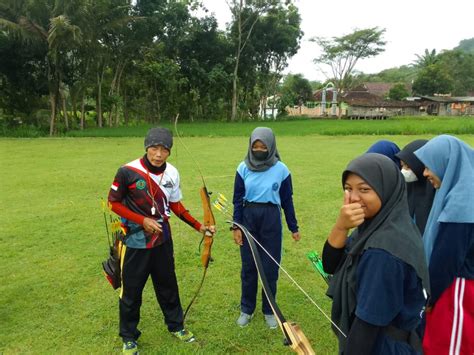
426,59
40,23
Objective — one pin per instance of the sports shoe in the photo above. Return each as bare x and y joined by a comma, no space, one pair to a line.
184,335
130,348
271,321
244,319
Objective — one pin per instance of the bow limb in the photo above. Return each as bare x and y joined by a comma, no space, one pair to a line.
208,221
294,336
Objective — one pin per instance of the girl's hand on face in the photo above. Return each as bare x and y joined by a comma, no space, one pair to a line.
351,215
237,234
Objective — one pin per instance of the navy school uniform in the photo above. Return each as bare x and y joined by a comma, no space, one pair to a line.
258,197
389,292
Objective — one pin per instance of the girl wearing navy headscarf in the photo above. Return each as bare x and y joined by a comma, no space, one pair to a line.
379,271
262,188
387,148
449,246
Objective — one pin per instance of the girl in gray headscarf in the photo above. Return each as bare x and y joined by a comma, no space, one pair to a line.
262,187
380,270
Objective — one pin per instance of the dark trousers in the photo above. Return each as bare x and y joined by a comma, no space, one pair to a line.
138,264
264,222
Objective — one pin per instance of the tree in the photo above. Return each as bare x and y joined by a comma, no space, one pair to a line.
466,45
426,59
295,90
341,54
277,38
398,92
245,14
45,24
434,79
460,66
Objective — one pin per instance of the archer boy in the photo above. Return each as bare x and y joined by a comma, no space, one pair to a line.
143,193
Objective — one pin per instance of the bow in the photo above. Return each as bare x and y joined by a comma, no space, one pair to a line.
294,336
290,330
208,221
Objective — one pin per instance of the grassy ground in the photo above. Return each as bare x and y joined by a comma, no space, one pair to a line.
53,296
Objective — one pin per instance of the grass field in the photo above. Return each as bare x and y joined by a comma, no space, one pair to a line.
302,126
53,296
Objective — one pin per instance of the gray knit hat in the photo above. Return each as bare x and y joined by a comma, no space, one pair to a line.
159,136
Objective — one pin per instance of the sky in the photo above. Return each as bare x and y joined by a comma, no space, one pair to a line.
411,27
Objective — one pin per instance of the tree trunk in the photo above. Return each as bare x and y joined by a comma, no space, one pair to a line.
100,78
234,92
125,108
74,109
83,113
240,47
52,99
119,80
66,118
233,115
158,108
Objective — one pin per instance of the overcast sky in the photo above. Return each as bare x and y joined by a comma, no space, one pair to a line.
411,26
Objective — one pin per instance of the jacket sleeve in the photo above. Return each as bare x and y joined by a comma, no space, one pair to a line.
332,257
286,198
238,199
452,256
184,215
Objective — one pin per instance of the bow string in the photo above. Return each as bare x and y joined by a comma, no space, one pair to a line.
208,221
292,332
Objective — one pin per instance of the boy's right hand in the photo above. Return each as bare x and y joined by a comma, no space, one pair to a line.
151,226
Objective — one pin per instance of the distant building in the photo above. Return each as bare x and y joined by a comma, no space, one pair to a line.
368,101
447,105
358,103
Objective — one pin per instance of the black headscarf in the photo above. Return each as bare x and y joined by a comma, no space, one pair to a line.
420,193
266,136
391,229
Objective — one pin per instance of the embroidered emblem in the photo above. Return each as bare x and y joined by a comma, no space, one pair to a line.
168,184
275,186
141,184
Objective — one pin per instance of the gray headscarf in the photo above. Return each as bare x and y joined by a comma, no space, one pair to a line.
266,136
392,230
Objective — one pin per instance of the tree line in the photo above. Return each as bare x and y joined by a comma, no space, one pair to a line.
450,72
68,63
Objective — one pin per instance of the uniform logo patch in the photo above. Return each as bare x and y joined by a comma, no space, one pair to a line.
141,184
168,184
275,186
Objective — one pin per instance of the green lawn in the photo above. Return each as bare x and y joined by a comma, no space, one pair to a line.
53,296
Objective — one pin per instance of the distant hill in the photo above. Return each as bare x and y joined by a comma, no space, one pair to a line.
466,45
